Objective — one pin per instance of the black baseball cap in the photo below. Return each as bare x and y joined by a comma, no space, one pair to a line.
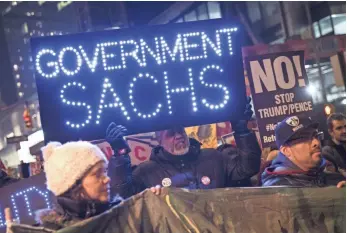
294,127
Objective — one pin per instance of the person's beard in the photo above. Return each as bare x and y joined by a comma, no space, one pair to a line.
176,150
181,151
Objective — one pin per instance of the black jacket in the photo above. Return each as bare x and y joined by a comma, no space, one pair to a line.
283,172
67,212
198,169
335,154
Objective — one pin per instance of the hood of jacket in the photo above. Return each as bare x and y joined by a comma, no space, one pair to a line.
161,156
282,166
68,212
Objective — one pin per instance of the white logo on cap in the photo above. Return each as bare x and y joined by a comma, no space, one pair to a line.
166,182
293,121
205,180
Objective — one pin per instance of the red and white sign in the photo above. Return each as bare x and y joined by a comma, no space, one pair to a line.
106,148
141,147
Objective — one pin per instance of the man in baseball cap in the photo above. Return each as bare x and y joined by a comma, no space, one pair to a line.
299,162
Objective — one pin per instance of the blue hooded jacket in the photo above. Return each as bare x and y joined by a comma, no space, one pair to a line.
283,172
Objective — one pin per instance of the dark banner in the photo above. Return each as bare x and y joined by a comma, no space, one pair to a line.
279,86
147,79
239,210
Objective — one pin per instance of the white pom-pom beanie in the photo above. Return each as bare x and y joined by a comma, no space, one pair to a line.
65,164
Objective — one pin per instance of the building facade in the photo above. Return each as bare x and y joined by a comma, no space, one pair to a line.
319,28
25,20
20,21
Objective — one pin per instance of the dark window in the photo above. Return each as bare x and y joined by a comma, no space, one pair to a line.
214,10
202,12
326,25
191,16
180,20
253,10
339,22
270,8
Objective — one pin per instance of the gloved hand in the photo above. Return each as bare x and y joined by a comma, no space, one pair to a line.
114,136
240,127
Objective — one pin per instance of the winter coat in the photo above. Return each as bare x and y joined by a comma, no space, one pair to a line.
335,153
284,172
68,212
5,179
198,169
233,151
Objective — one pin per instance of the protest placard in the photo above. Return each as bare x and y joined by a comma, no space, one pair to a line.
141,149
146,79
205,134
279,89
24,198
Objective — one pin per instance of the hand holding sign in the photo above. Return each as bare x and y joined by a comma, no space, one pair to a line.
240,127
8,219
114,136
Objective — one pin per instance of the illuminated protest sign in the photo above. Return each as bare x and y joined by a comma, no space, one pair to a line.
146,79
24,198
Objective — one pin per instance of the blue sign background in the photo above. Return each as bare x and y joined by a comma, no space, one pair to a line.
146,79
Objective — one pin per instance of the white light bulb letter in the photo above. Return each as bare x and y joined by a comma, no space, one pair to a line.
91,63
76,104
132,84
146,49
53,64
188,46
178,49
214,86
78,61
132,54
107,56
117,103
25,193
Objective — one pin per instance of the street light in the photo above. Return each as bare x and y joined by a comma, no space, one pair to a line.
311,89
329,109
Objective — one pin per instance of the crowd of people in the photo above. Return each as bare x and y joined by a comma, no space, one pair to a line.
86,184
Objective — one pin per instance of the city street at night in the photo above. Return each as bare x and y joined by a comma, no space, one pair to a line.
172,116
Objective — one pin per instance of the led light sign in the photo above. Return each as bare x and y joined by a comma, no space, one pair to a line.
146,79
24,198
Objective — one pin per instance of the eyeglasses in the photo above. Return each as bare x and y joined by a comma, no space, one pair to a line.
306,138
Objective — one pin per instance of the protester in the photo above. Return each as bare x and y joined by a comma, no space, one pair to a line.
268,155
233,152
335,150
299,162
180,162
76,175
6,179
272,154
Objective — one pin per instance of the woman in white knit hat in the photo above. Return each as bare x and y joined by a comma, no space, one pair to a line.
76,174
